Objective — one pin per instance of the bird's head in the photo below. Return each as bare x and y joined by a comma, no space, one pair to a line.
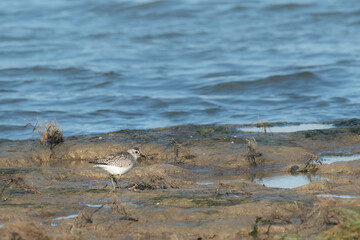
135,152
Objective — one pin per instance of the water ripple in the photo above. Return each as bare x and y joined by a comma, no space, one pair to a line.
100,66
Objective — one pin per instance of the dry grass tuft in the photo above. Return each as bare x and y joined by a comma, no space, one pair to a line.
120,210
85,217
49,132
348,228
252,156
311,165
181,153
229,190
318,215
24,230
265,125
16,182
152,182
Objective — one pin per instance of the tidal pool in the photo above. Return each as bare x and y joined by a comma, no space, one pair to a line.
205,183
287,181
66,217
332,159
337,196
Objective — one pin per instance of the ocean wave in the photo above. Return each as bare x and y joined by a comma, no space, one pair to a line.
288,6
300,81
42,69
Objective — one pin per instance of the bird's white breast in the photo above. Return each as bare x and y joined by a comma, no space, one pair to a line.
113,170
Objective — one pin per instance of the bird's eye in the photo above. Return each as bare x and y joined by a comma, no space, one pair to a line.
137,152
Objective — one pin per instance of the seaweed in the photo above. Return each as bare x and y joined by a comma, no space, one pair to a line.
348,228
265,125
18,183
152,182
252,156
50,133
120,210
181,153
311,165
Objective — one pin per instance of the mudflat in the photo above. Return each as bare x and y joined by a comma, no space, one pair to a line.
196,182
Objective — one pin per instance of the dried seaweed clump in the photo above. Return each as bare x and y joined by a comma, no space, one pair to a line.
50,133
181,153
153,182
252,156
229,190
118,209
24,230
15,182
84,218
348,228
265,125
311,165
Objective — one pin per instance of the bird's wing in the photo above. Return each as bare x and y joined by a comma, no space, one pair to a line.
120,159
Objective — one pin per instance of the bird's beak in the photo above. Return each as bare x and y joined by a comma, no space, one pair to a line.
142,156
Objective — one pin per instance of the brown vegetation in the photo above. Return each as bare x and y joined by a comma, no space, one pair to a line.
181,153
49,132
311,165
15,182
265,125
252,156
22,230
152,182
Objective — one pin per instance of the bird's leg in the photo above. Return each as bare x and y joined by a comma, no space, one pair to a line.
116,182
119,181
112,181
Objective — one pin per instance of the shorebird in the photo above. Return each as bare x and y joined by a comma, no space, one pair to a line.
119,163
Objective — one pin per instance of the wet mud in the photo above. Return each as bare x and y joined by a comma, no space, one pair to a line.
210,185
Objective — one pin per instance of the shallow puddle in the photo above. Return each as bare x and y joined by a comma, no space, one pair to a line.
201,170
332,159
289,128
54,224
94,205
205,183
287,181
337,196
66,217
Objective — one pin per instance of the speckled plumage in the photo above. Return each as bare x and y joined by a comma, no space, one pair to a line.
119,159
118,163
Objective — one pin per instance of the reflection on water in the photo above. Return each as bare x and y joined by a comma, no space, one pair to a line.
287,181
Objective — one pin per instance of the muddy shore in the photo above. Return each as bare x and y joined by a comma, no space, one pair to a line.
214,182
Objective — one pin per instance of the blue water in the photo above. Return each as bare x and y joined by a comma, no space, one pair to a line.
100,66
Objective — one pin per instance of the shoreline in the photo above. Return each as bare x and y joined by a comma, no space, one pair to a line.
336,123
228,178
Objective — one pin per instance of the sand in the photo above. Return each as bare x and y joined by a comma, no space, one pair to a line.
203,188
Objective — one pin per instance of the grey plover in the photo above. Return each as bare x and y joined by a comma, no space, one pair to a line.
118,163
